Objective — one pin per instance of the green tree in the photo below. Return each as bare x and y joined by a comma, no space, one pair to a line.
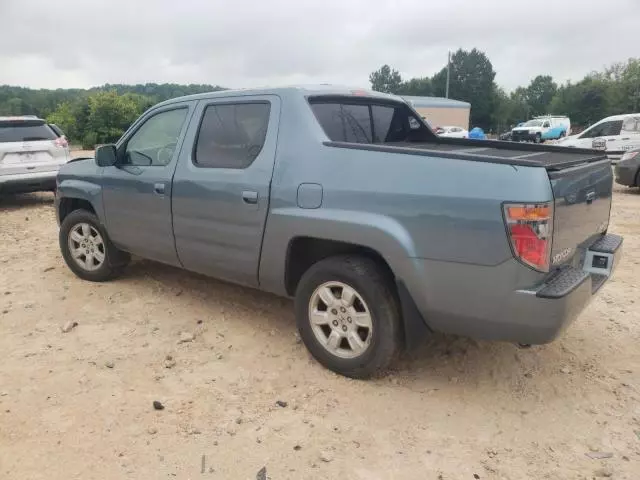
585,102
509,110
472,80
627,94
111,114
386,80
66,117
416,86
539,94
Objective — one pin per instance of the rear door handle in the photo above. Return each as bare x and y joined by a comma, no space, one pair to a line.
159,188
250,197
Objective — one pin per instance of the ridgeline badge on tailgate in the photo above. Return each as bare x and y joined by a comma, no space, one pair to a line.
562,255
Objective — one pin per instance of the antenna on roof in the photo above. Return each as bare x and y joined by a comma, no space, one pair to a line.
448,73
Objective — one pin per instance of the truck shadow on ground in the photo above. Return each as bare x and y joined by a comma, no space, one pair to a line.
10,202
629,191
441,360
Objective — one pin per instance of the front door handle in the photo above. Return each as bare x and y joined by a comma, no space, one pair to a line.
250,197
159,188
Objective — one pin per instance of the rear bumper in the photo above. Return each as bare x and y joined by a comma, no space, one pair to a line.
478,302
28,182
551,307
626,174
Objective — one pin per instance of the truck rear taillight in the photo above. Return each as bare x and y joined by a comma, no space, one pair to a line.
530,229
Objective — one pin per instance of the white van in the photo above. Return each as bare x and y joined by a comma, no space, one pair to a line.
615,134
539,129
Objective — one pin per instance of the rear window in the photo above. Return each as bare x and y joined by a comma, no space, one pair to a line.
25,132
367,121
56,130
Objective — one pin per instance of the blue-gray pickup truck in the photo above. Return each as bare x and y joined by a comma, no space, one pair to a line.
348,202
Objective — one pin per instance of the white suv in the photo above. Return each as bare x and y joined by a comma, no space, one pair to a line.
616,135
31,153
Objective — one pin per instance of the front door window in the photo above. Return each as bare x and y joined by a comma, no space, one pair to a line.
154,143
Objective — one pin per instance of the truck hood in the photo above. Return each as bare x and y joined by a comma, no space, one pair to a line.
78,164
78,167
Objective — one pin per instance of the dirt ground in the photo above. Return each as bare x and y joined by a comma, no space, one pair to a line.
79,405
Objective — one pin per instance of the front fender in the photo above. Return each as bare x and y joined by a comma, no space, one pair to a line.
82,190
378,232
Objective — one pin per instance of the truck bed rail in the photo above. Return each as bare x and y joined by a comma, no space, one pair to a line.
491,151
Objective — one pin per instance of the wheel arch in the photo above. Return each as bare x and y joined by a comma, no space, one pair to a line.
305,251
293,243
76,194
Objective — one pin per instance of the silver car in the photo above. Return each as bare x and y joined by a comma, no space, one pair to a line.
627,169
31,153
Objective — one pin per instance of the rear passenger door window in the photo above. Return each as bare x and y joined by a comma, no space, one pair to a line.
231,135
382,118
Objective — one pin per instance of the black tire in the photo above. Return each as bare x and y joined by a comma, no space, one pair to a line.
370,282
538,138
115,260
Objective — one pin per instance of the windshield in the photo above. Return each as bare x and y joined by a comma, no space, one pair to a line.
533,123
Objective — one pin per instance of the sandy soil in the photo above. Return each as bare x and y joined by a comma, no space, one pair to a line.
78,405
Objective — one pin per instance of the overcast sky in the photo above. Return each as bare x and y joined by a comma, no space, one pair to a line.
243,43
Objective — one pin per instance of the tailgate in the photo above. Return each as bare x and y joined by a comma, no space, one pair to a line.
582,207
31,157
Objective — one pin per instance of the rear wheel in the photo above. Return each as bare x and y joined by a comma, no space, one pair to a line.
348,315
87,250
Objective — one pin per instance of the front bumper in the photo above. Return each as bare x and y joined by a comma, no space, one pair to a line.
28,182
524,137
481,301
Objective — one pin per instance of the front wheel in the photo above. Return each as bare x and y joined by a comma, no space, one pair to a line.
348,315
538,138
87,250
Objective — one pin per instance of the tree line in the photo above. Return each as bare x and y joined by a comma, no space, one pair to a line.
102,114
612,91
93,116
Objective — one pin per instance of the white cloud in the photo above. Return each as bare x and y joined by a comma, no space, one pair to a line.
240,43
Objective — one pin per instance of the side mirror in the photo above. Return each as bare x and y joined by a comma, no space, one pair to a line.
106,156
546,125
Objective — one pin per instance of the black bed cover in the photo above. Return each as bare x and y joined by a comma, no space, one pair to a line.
550,157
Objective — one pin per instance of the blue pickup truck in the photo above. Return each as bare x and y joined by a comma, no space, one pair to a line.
347,201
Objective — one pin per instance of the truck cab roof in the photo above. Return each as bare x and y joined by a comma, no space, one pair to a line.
305,90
